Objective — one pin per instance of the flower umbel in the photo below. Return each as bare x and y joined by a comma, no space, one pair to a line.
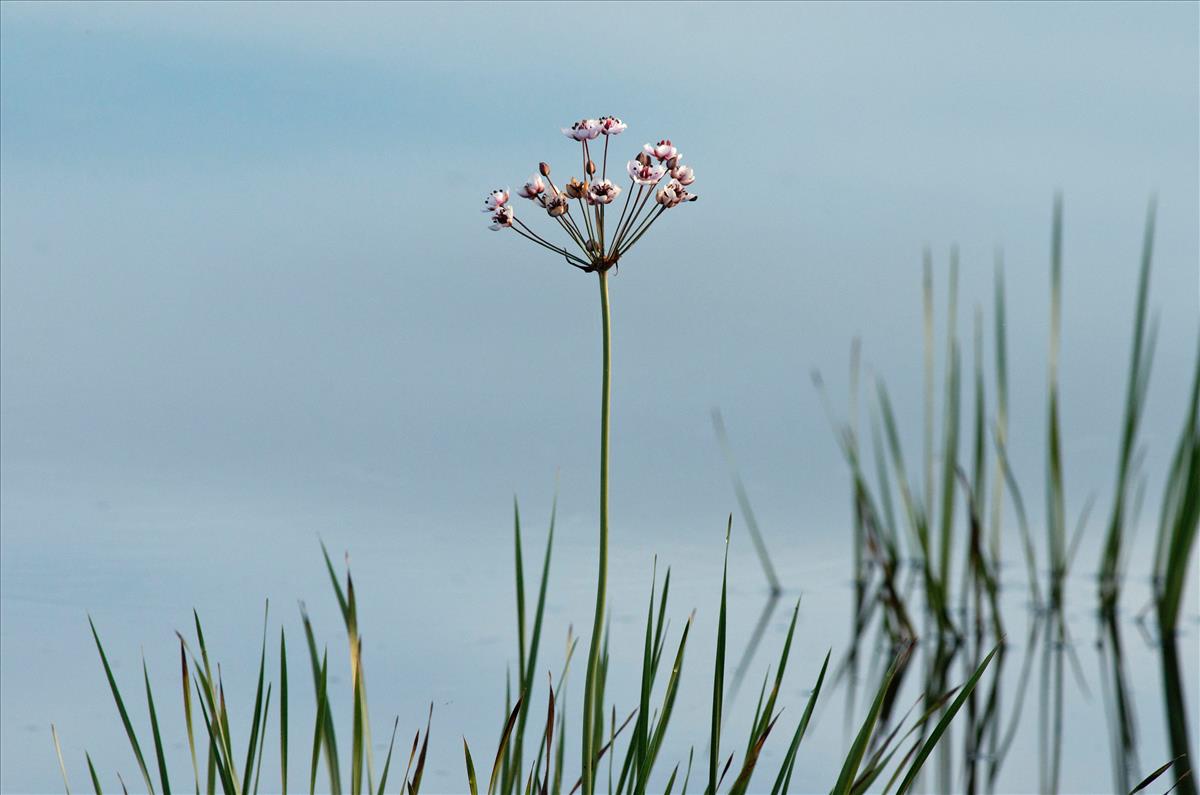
595,239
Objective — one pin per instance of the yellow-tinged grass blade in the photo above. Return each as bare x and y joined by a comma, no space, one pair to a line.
471,781
349,609
62,766
504,736
116,692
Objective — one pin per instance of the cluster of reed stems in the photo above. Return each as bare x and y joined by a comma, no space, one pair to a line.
887,542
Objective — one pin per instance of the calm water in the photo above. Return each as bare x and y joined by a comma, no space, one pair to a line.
438,626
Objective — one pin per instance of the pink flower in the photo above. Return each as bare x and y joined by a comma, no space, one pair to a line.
602,192
556,205
683,174
611,125
583,130
532,188
644,173
495,200
501,218
673,194
661,150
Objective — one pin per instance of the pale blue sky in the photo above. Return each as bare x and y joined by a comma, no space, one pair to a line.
247,294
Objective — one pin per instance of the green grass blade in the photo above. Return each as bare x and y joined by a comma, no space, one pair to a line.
415,787
283,712
950,427
1135,391
1150,779
319,725
718,698
356,735
1055,507
387,762
672,689
343,603
187,711
789,759
638,749
92,772
1001,361
927,315
252,745
262,743
116,692
328,734
217,767
942,725
854,758
529,658
160,757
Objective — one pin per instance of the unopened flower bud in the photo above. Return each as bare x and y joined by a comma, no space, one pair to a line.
591,168
544,169
674,161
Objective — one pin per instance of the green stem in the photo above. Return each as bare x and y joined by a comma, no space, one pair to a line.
590,708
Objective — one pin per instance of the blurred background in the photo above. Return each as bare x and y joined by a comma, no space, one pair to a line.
248,299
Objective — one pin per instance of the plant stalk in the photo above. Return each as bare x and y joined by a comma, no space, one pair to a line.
590,707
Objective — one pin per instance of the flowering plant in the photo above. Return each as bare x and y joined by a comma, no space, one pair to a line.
595,246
